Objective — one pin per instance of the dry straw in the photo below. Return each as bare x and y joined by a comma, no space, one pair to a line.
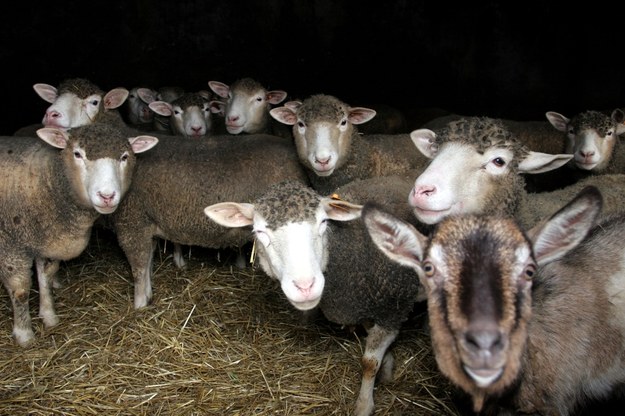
216,340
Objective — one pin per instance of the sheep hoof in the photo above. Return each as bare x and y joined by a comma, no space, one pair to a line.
23,337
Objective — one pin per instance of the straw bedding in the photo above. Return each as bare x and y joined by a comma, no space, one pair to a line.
216,340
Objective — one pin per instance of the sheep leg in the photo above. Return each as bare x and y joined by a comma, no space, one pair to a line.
140,255
46,272
179,260
377,343
16,276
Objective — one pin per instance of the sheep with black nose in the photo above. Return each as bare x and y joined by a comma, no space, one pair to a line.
522,321
319,251
50,199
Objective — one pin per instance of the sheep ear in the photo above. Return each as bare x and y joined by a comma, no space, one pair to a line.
46,91
565,229
558,121
231,214
397,239
219,88
359,115
618,117
217,107
53,136
276,96
140,144
424,140
284,115
537,162
115,97
147,95
340,210
162,108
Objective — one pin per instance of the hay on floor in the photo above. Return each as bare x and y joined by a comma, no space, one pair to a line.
216,340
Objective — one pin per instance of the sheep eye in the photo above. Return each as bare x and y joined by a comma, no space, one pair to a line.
429,269
95,103
77,154
343,122
259,99
609,133
177,112
301,124
571,131
124,157
529,272
499,162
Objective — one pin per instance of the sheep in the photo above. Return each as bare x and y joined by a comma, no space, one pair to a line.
593,138
529,322
50,201
189,115
138,113
318,250
77,102
174,183
330,147
246,107
168,93
476,167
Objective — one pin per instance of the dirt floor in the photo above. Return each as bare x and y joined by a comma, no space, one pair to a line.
216,340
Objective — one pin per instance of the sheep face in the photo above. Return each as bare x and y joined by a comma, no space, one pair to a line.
77,102
478,273
591,137
247,104
322,127
138,110
98,170
475,168
289,225
189,115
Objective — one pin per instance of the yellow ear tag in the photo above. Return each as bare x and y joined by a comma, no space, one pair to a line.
336,197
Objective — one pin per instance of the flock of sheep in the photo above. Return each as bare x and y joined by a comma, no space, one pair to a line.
510,231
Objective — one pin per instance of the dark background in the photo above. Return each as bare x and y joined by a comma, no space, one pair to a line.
508,59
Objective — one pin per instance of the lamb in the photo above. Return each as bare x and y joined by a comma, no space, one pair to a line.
319,251
330,147
530,322
246,107
189,115
476,167
174,183
75,103
50,201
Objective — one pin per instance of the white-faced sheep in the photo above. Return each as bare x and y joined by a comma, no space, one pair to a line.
332,150
529,322
168,94
77,102
179,178
50,201
189,115
323,259
245,106
476,167
593,139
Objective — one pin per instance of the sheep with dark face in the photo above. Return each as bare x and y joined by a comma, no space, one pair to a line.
77,102
245,106
334,153
319,251
175,182
530,322
50,200
477,167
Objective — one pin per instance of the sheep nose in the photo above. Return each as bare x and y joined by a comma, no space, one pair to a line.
324,161
106,198
53,114
196,129
233,118
586,154
424,190
305,287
